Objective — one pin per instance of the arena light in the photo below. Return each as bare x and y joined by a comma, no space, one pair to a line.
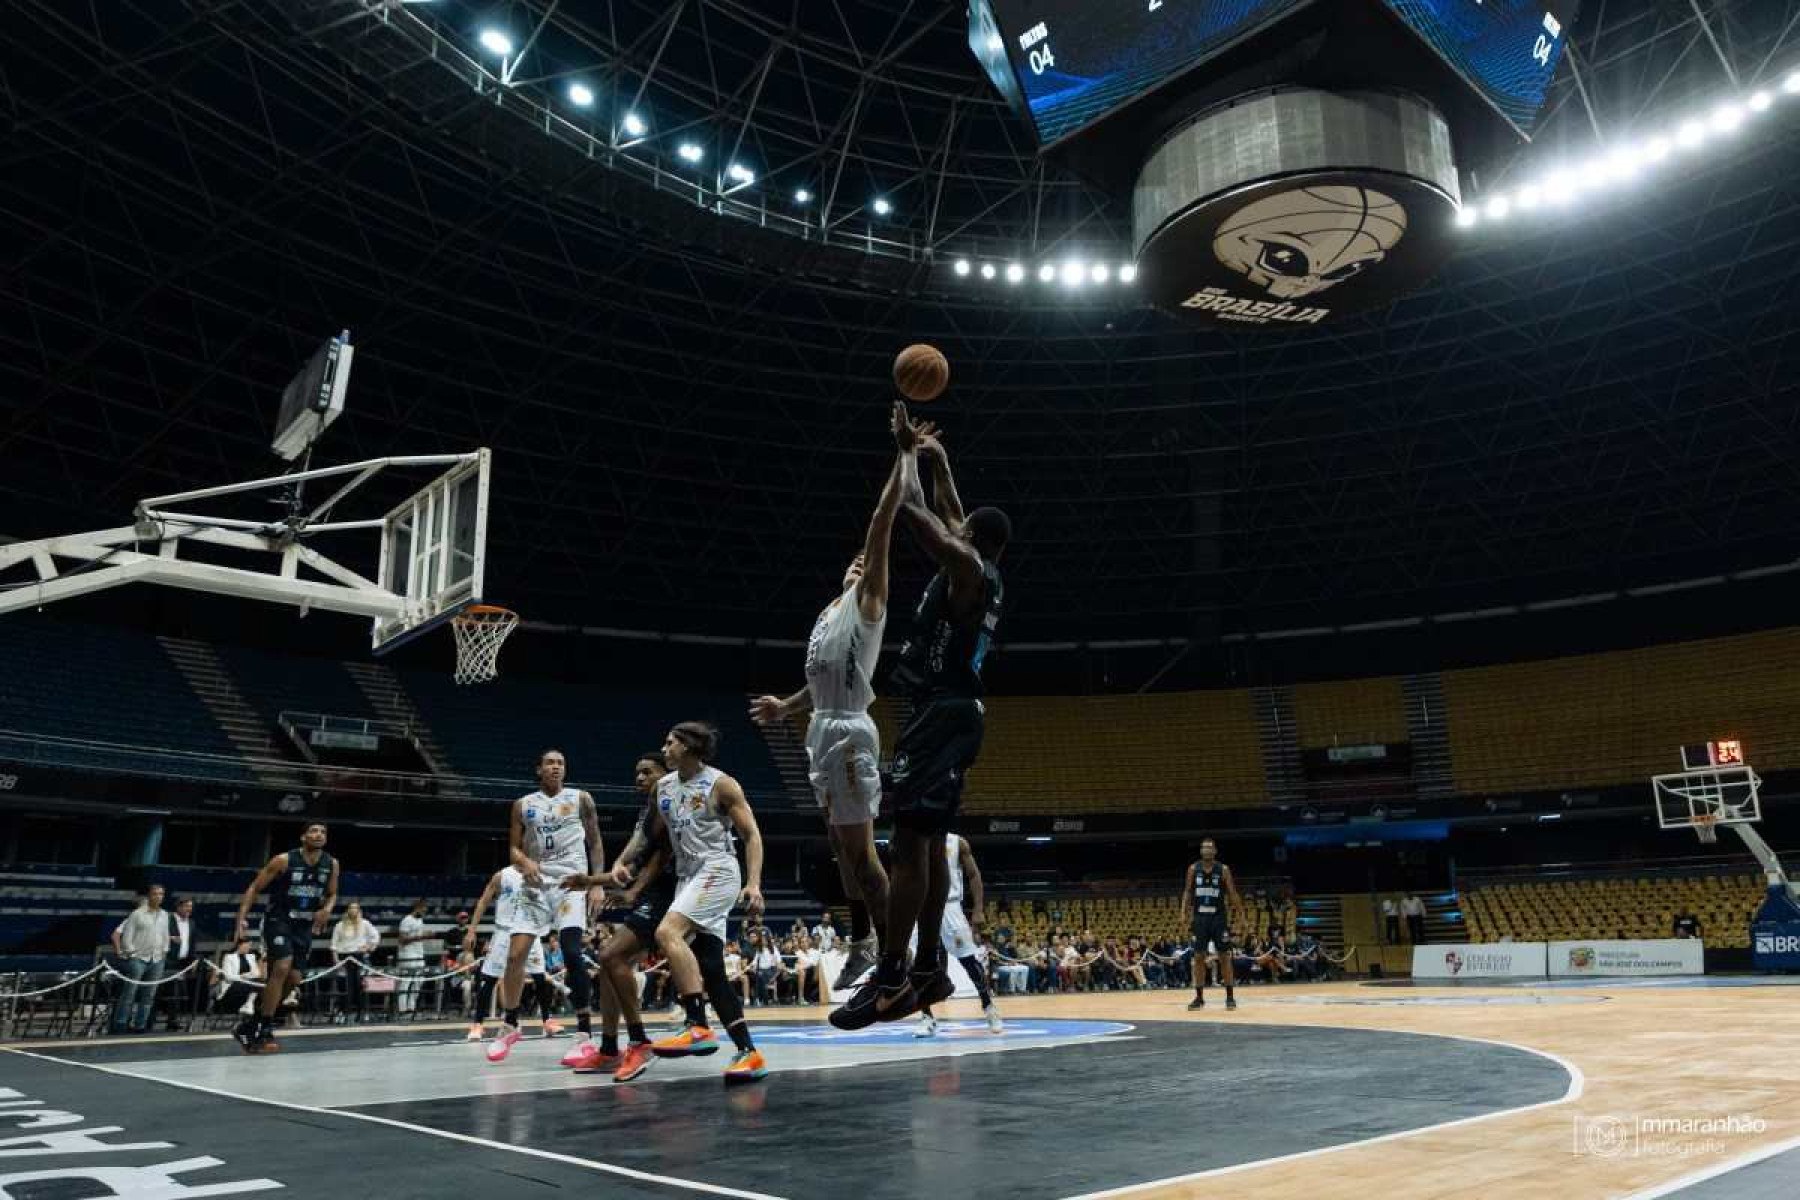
496,42
1073,273
1727,118
634,125
1791,85
1127,272
988,270
1690,135
802,196
1497,208
1014,273
740,174
1467,217
881,206
581,95
1046,273
1530,196
1760,102
1656,150
1099,273
962,266
690,152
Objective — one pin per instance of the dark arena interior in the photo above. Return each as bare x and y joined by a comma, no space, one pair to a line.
1313,714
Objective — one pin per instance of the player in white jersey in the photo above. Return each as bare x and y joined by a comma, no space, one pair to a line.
554,833
502,892
958,937
843,749
699,806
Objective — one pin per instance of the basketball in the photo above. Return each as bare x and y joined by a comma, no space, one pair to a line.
921,372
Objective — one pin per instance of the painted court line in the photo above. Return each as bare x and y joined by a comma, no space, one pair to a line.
692,1185
1577,1084
1748,1159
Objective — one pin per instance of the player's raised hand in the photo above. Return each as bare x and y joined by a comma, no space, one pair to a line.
906,434
765,710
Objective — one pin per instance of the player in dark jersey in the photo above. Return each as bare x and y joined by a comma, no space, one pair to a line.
1208,899
302,887
940,667
648,892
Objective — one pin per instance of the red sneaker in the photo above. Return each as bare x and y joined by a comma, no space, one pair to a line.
636,1060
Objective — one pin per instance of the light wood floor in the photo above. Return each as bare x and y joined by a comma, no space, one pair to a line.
1666,1053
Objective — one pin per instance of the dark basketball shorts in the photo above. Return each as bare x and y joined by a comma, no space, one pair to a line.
1210,928
923,784
283,938
643,918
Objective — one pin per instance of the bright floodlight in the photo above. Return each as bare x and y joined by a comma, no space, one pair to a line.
989,270
1559,187
1529,197
1046,273
1127,272
739,173
495,42
1727,117
1467,217
1761,101
690,152
802,196
1791,85
882,207
581,95
634,125
1073,273
1498,207
1656,149
1691,134
1098,273
962,266
1014,272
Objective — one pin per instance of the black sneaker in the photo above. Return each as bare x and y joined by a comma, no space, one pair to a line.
1231,1004
863,1009
863,955
1196,1002
934,988
245,1034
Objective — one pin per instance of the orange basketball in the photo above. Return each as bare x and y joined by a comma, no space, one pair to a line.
921,372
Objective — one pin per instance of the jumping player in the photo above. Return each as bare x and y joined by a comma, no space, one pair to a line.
302,886
502,893
554,833
843,748
1208,899
958,938
648,890
700,805
940,665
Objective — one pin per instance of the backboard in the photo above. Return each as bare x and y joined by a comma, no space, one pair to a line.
434,551
1717,789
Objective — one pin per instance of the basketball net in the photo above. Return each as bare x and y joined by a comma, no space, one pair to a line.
1707,827
480,629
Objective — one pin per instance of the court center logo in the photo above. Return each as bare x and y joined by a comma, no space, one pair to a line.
1299,243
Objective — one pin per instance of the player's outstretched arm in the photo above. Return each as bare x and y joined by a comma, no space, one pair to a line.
736,808
944,497
766,710
263,879
872,590
954,556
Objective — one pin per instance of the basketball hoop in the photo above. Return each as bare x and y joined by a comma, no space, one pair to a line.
480,628
1706,827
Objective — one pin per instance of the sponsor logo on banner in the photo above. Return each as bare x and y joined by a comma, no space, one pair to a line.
1496,960
1664,956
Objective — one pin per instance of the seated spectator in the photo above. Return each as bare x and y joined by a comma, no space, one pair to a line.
768,968
735,974
1686,925
656,982
806,969
239,971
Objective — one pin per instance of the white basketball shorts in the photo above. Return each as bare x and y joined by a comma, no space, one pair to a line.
959,939
706,897
843,752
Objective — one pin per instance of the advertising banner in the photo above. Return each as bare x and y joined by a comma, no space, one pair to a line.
1664,956
1489,960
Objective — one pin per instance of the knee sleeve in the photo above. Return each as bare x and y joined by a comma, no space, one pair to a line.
574,967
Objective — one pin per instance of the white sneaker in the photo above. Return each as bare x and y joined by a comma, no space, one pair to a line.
995,1024
927,1026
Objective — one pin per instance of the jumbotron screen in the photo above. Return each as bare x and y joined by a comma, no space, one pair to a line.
1073,61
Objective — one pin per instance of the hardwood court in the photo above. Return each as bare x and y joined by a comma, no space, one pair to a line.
1306,1091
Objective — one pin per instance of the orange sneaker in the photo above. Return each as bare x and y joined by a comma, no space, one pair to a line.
747,1067
590,1060
552,1027
635,1061
695,1040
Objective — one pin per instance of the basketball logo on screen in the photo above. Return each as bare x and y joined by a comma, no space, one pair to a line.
1301,242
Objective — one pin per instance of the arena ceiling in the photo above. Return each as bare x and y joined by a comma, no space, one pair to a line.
686,390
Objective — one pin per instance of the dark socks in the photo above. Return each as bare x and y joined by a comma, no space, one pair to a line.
740,1035
635,1031
893,967
695,1008
511,1017
860,926
978,977
584,1022
609,1043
